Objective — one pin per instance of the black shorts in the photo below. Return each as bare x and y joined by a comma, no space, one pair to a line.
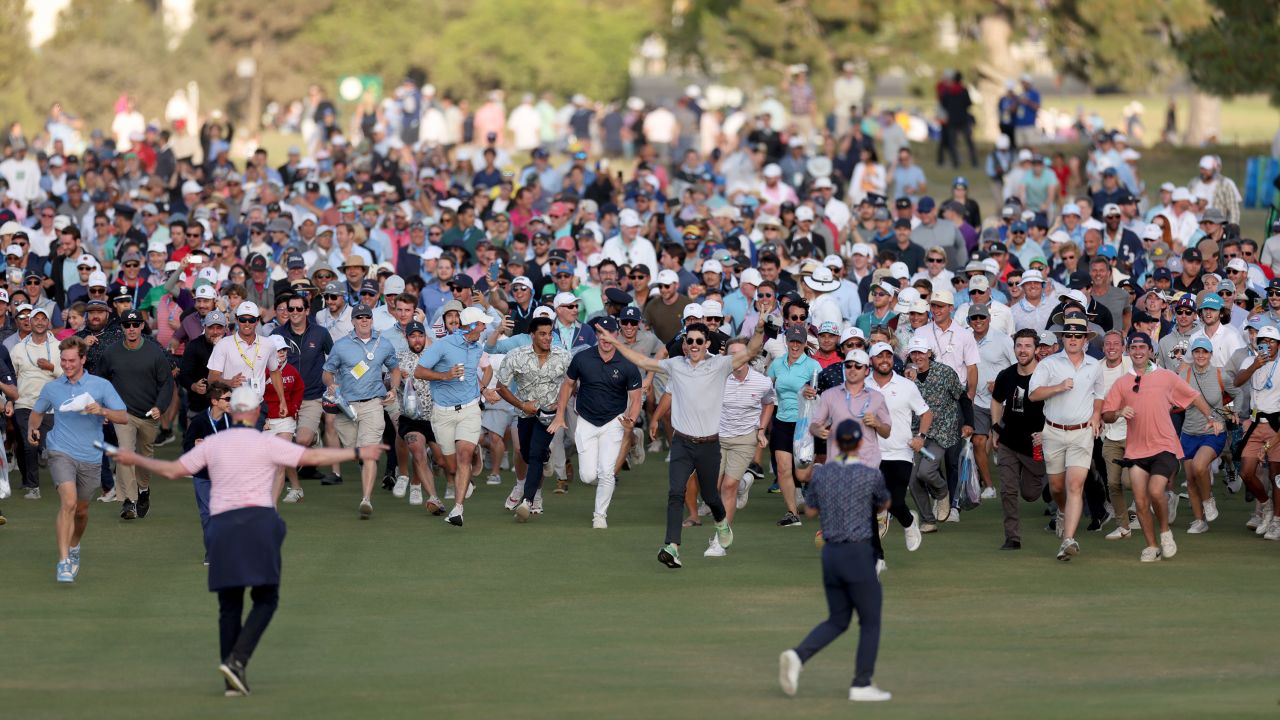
409,425
1164,464
782,436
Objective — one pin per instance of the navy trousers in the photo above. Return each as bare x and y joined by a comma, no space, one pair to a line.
849,578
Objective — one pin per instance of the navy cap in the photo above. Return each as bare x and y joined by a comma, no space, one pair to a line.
414,327
606,322
617,296
370,286
848,433
294,262
360,311
902,202
462,280
925,205
631,312
1161,274
97,304
132,316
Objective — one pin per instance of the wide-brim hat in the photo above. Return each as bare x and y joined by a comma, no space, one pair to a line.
822,280
1075,323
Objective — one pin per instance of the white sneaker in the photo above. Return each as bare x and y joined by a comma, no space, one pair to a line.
1210,509
703,510
537,502
1198,527
415,494
494,480
954,517
448,489
713,548
1273,532
789,667
744,489
598,522
292,495
912,534
513,499
1059,522
799,498
1169,548
1268,514
108,496
1120,533
942,508
1150,554
523,510
1172,498
869,693
471,488
1256,518
881,566
402,485
656,446
988,493
366,509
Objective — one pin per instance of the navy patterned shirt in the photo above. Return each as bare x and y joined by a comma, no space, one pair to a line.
846,494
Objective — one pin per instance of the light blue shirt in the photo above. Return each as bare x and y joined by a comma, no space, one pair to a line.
348,352
74,433
441,356
789,379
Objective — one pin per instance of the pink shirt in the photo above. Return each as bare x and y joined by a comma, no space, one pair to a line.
242,466
1150,431
835,405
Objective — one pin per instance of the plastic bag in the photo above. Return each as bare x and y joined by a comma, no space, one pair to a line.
968,490
409,398
802,441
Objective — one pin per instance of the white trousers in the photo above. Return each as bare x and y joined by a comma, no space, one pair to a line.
598,449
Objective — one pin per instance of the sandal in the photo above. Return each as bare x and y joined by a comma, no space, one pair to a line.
691,522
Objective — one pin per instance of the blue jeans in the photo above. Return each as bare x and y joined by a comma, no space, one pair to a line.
201,486
535,450
849,577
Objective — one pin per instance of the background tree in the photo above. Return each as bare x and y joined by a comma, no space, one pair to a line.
15,90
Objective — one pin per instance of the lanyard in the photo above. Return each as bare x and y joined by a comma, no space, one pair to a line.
226,420
1270,375
369,354
577,330
848,403
254,345
48,353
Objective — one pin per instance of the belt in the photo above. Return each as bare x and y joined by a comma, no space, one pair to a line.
353,402
1080,426
697,440
455,408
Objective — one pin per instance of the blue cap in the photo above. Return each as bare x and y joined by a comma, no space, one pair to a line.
1257,322
1161,274
848,432
562,268
925,204
1107,251
1212,301
630,312
960,181
414,327
1140,337
606,322
1017,226
1202,343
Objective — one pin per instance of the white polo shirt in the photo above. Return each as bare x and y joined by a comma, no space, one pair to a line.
903,399
1074,406
232,356
1225,341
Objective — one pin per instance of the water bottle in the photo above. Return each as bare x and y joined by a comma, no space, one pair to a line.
1037,448
925,451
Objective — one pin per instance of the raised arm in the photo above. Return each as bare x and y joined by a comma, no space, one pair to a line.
640,360
752,349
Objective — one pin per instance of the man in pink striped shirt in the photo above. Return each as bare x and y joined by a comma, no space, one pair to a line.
245,532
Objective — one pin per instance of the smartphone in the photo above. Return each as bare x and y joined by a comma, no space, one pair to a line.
495,269
197,259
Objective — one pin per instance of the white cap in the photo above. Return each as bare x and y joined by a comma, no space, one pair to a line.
10,228
1059,237
1092,224
979,283
712,308
393,285
171,266
888,287
804,212
1208,163
206,292
858,355
522,281
906,297
62,222
14,249
712,266
823,183
1071,209
1168,187
433,253
472,316
1110,209
1152,232
1269,331
1130,154
990,266
692,310
1031,276
1181,194
208,273
22,307
87,259
279,342
157,246
667,277
191,187
629,218
97,278
1002,142
919,306
942,296
1238,264
850,333
917,344
862,249
1024,155
772,171
244,398
750,276
564,298
880,347
247,308
544,311
899,270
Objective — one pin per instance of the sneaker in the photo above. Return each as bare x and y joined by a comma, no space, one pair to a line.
881,566
714,549
598,522
230,691
703,510
882,522
1011,545
164,438
954,516
434,506
331,479
562,487
388,481
655,446
493,480
1169,548
471,489
1059,522
32,494
869,693
1273,532
669,555
724,533
1232,477
401,486
926,528
942,508
1150,554
1067,549
744,489
1210,509
774,489
415,494
988,493
366,509
144,503
790,520
455,516
64,573
636,454
912,533
515,496
1268,514
448,490
108,496
1095,524
1198,527
789,667
523,510
1120,533
1234,484
293,495
537,502
799,498
234,672
128,511
1172,498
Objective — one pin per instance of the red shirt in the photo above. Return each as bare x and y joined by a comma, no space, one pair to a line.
293,388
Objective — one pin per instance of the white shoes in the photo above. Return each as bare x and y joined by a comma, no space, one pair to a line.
912,534
988,493
1150,554
523,510
1273,532
1059,522
942,508
881,566
537,502
789,667
517,493
954,517
415,494
402,484
1198,527
598,522
1172,498
1264,520
292,495
1210,509
448,489
713,547
744,488
366,509
109,496
1120,533
703,510
1168,548
494,479
869,693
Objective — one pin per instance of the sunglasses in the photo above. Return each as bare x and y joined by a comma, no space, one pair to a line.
1073,336
935,261
1273,293
257,232
32,282
84,268
332,297
638,276
938,305
225,398
630,322
1185,312
797,318
1068,258
246,319
850,365
664,286
1226,293
293,308
370,293
132,265
97,291
131,325
1137,383
574,306
695,341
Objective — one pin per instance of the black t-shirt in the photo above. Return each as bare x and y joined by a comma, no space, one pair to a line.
602,386
1021,417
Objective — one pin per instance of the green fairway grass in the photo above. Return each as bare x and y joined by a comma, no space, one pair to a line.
404,616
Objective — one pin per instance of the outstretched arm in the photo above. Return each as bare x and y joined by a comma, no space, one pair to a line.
171,469
752,349
641,361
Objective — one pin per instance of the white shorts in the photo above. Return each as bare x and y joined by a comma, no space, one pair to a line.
454,426
276,426
1067,448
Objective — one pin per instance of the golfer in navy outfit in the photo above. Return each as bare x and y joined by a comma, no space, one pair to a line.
844,493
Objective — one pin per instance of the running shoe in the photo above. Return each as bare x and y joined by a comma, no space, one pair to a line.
881,566
73,556
537,502
293,495
1067,549
1198,527
1273,532
434,506
108,496
523,510
366,509
714,548
513,499
882,523
1210,509
724,533
1150,554
234,672
562,487
703,509
942,508
1268,514
164,438
789,667
401,486
64,573
1168,548
774,489
598,522
988,493
415,494
1120,533
912,533
869,693
455,516
1172,499
32,494
331,479
790,520
669,555
1059,522
144,503
744,489
128,511
494,479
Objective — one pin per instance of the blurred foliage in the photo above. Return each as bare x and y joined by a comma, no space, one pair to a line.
1238,52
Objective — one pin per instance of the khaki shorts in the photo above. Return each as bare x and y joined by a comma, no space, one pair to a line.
66,469
1067,448
366,429
454,426
736,453
1260,437
309,416
277,426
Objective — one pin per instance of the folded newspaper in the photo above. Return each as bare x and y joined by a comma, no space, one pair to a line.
77,404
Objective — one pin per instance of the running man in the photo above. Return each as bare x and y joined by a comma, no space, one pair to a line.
745,417
414,426
78,402
1016,425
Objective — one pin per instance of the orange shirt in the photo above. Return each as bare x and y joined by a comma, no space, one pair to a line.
1150,431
